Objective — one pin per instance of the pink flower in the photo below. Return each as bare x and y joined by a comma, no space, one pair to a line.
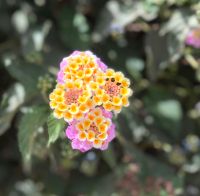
79,55
95,130
193,38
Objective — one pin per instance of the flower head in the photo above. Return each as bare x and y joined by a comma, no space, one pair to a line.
193,38
70,100
94,130
111,89
80,65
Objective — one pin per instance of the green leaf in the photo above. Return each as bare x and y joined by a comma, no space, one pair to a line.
28,129
10,103
27,74
55,126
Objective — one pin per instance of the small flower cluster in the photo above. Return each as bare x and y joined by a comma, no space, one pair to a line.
193,38
86,94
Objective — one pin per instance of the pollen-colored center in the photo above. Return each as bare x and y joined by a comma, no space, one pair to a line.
112,88
94,128
72,95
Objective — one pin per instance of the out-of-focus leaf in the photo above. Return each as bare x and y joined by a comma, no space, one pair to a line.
165,109
170,109
157,53
55,126
26,187
27,74
92,186
74,29
28,129
109,156
135,67
116,15
11,101
108,182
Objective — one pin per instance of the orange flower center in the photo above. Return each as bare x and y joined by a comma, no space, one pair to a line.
94,128
112,88
72,95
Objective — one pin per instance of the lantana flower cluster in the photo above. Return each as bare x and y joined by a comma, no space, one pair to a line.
86,95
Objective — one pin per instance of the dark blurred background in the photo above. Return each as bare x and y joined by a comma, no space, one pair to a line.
157,148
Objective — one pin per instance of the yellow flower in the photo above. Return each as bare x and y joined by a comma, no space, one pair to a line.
70,100
111,89
81,66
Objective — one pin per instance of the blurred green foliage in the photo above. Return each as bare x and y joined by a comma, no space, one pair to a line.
157,149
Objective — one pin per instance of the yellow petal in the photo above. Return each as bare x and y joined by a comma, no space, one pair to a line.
125,82
100,80
80,127
119,76
80,74
97,143
97,100
73,66
89,104
88,72
52,96
67,116
117,101
58,92
69,84
109,72
97,112
82,99
62,107
99,92
83,108
73,109
58,114
105,98
117,109
60,86
78,83
59,99
94,86
102,128
86,123
102,136
82,136
90,136
125,101
91,117
107,106
53,104
78,115
98,120
124,91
